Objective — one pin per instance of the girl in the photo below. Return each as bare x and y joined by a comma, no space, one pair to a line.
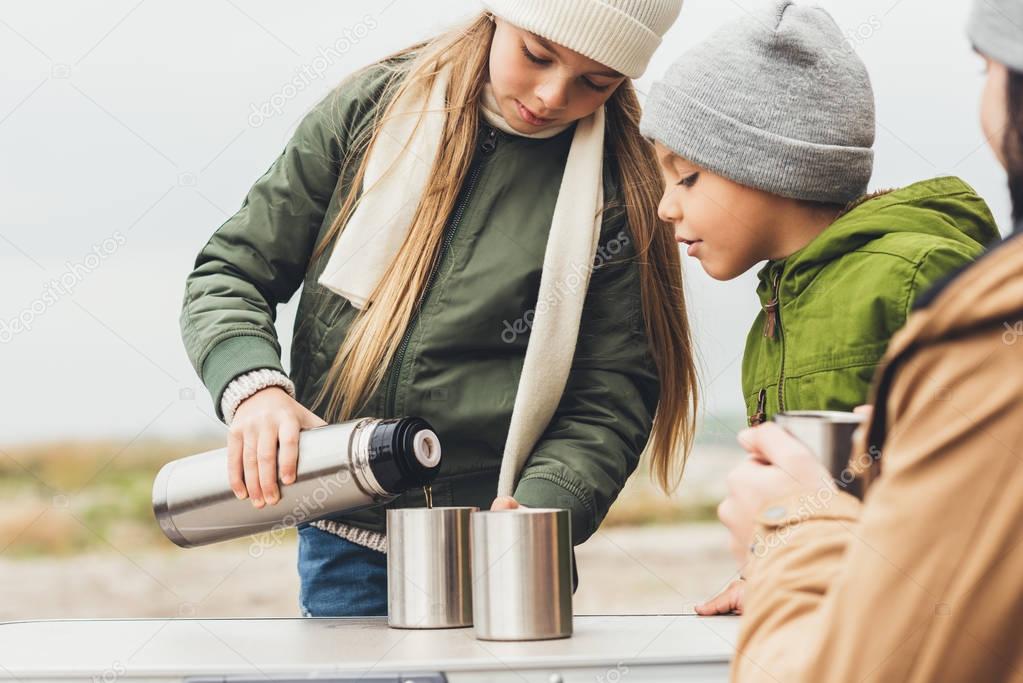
922,580
473,221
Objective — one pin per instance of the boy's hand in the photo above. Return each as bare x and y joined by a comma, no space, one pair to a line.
728,601
262,421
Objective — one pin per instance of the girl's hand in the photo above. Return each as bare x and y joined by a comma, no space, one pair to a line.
779,466
728,601
505,503
263,420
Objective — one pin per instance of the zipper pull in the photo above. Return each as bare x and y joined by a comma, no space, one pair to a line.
760,416
771,309
489,144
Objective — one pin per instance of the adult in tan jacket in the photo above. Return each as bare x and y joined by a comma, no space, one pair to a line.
923,581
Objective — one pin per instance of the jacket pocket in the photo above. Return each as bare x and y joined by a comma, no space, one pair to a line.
840,389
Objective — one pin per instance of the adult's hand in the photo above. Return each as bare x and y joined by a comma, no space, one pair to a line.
779,466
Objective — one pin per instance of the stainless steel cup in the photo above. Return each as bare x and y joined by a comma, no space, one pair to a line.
829,435
429,582
522,574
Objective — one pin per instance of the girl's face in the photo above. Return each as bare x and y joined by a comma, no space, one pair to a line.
539,84
994,107
727,226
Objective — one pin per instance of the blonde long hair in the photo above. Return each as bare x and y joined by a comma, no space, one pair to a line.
361,363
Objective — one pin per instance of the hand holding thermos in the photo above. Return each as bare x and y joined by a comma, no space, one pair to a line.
262,444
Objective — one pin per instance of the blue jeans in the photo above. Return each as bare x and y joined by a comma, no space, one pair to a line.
339,578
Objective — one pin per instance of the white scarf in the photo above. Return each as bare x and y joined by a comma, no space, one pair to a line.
393,186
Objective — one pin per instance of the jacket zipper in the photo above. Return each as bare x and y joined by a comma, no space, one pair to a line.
772,329
487,146
781,340
771,309
759,417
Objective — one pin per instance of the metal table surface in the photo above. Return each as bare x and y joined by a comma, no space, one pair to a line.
603,648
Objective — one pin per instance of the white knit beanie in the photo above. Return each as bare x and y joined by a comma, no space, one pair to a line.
620,34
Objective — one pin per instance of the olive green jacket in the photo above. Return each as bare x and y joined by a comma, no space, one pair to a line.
460,360
829,310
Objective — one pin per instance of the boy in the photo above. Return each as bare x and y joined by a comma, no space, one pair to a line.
764,134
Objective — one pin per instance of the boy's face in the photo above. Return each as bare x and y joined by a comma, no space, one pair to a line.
727,226
539,84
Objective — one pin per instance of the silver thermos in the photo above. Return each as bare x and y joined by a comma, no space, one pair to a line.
341,468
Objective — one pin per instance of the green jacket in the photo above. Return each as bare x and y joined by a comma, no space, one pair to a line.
829,310
460,360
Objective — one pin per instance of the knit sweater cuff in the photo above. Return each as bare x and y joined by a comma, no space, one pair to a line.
234,356
374,540
244,386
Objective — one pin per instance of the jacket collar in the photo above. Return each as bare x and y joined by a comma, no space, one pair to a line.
946,207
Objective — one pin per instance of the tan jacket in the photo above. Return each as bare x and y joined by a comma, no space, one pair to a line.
924,580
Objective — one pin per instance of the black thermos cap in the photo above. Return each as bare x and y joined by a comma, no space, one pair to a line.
392,456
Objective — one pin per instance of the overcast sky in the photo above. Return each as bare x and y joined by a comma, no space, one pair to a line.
127,137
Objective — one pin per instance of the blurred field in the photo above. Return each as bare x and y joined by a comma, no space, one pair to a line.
78,539
60,499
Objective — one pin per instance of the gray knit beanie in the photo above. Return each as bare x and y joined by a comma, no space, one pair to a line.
621,34
996,29
776,100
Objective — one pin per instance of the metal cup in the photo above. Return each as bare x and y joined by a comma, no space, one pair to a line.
429,582
829,436
522,574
